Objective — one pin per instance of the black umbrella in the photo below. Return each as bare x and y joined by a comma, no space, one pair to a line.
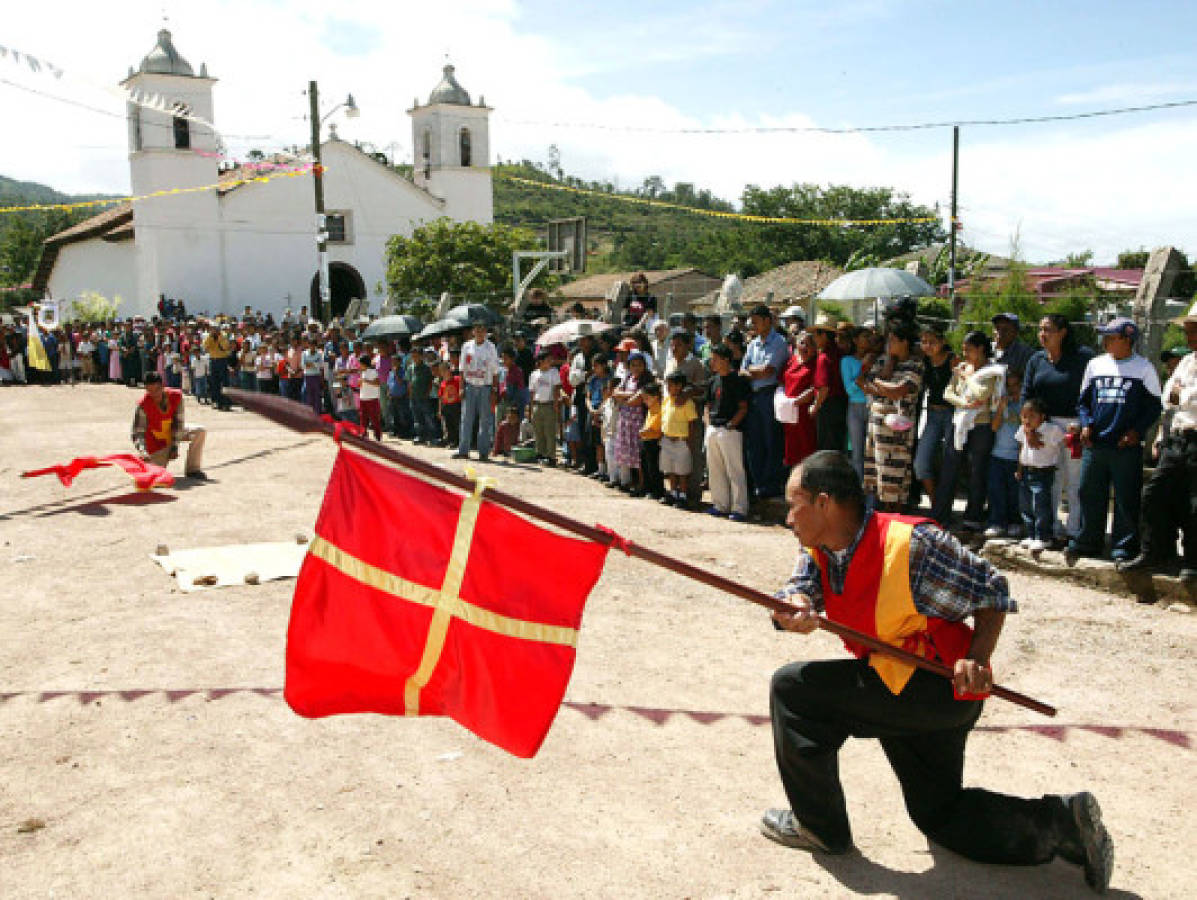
393,326
475,314
444,326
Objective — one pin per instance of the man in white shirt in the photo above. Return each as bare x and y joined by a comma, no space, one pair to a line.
1169,495
480,377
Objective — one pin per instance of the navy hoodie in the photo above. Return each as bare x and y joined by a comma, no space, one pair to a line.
1118,395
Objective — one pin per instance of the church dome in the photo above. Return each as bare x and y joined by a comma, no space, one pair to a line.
449,91
164,59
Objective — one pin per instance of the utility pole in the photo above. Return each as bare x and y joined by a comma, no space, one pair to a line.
952,236
322,306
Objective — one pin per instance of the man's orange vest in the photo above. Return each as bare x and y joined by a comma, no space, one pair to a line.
159,422
877,600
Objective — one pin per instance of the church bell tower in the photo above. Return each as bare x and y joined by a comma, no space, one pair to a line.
170,147
451,140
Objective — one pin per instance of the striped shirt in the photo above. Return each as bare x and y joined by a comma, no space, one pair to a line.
947,580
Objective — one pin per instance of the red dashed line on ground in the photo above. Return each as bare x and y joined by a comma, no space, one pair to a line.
595,711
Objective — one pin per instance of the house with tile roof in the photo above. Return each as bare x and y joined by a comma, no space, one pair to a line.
220,242
685,286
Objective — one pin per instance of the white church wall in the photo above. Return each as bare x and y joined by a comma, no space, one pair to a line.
96,265
268,230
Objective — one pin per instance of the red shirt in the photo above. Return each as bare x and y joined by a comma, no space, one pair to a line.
450,390
827,373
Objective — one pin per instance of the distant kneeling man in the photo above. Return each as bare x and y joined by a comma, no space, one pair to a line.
158,428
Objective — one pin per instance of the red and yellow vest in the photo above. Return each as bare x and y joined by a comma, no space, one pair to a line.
877,600
158,421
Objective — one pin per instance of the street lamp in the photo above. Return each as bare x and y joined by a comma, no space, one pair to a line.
323,302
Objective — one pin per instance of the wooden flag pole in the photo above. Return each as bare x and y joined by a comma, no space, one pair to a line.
300,418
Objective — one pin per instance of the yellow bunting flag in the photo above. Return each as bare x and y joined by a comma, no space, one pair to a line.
714,213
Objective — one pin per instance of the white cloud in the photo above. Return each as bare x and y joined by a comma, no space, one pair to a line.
1106,185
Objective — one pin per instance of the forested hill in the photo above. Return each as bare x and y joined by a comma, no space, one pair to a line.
626,235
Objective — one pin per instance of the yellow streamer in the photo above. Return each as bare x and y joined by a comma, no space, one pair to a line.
232,182
714,213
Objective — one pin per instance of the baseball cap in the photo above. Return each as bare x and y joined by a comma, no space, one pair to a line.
1121,326
1005,316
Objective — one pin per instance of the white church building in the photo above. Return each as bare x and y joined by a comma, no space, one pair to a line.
254,244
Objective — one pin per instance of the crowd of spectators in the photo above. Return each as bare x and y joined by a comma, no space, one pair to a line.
712,414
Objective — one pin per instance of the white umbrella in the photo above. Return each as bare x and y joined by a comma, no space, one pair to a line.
568,332
877,283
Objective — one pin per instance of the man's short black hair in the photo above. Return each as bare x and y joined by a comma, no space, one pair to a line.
152,378
722,350
763,311
830,472
677,376
684,336
652,389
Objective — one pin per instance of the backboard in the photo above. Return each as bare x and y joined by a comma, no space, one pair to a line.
568,235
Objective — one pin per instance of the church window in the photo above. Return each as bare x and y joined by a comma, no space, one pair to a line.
426,152
182,127
337,226
465,147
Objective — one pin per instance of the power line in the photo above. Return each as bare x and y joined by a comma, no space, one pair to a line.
819,129
117,115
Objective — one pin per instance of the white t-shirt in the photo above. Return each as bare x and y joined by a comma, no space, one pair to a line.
313,360
479,363
266,363
200,365
369,391
1043,457
541,383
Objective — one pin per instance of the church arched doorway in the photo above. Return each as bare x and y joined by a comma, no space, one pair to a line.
345,284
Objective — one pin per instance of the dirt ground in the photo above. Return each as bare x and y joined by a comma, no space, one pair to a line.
124,736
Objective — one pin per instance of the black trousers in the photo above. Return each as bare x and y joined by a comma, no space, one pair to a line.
650,467
1170,500
817,706
586,455
831,424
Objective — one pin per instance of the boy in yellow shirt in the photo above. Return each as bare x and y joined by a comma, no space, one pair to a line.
678,417
650,444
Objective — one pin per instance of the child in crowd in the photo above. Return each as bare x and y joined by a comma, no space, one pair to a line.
596,395
507,435
1005,518
397,398
545,388
628,399
199,368
419,380
651,482
513,392
449,393
679,418
1037,472
369,397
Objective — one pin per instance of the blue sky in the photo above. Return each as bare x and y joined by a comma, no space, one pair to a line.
1105,184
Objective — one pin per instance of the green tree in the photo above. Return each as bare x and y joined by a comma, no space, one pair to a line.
92,306
1134,259
471,261
1082,260
1010,293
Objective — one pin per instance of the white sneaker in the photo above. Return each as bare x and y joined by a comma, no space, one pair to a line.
1035,546
1025,543
995,531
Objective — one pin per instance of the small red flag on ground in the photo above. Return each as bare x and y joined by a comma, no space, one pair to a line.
145,475
416,601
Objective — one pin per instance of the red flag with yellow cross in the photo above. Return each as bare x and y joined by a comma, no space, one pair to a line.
417,601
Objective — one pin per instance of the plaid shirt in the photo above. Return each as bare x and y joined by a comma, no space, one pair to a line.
947,580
